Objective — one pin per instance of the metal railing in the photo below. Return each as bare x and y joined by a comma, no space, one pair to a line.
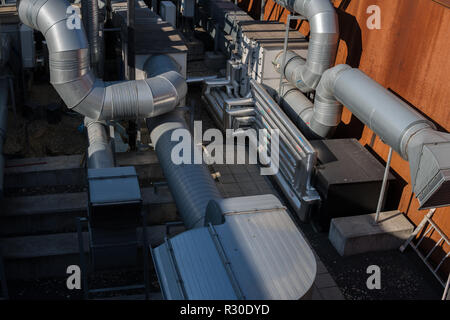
425,256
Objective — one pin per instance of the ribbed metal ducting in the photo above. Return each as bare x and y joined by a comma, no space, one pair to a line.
323,42
100,154
324,115
75,82
92,18
191,184
410,134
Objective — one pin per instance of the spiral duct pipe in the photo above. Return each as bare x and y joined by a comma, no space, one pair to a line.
73,79
190,184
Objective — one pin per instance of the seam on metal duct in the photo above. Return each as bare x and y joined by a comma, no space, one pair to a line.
75,82
322,48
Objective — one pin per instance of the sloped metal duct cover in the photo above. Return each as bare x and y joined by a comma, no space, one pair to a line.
257,253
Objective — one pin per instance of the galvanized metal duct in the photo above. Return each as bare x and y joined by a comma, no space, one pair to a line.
4,87
323,43
92,18
190,184
100,154
73,79
409,133
325,114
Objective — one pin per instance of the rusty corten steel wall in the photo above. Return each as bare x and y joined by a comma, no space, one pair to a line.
409,55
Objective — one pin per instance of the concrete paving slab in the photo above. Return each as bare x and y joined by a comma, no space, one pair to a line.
360,234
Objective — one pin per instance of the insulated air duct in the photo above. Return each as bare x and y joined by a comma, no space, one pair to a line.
410,134
100,154
323,42
73,79
190,184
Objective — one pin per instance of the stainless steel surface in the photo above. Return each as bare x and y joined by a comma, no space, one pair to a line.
323,42
250,250
410,134
191,184
75,82
100,154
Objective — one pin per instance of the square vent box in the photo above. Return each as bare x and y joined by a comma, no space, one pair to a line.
348,179
114,197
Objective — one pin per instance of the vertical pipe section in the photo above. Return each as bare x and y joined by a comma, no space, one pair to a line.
93,33
191,184
323,42
100,154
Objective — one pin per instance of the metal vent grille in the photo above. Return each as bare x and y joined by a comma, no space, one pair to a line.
438,194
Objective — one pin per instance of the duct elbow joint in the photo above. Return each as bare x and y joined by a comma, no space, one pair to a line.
323,43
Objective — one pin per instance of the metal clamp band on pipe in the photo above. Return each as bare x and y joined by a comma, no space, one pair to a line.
73,79
323,43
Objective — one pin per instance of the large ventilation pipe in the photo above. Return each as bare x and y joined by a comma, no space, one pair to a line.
92,21
322,117
73,79
100,154
323,42
410,134
190,184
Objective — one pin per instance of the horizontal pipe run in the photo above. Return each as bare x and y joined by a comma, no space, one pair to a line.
285,121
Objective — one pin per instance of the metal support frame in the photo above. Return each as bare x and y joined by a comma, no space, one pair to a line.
427,219
85,268
383,186
446,295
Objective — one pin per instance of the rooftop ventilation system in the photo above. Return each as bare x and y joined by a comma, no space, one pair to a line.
406,131
236,248
410,134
